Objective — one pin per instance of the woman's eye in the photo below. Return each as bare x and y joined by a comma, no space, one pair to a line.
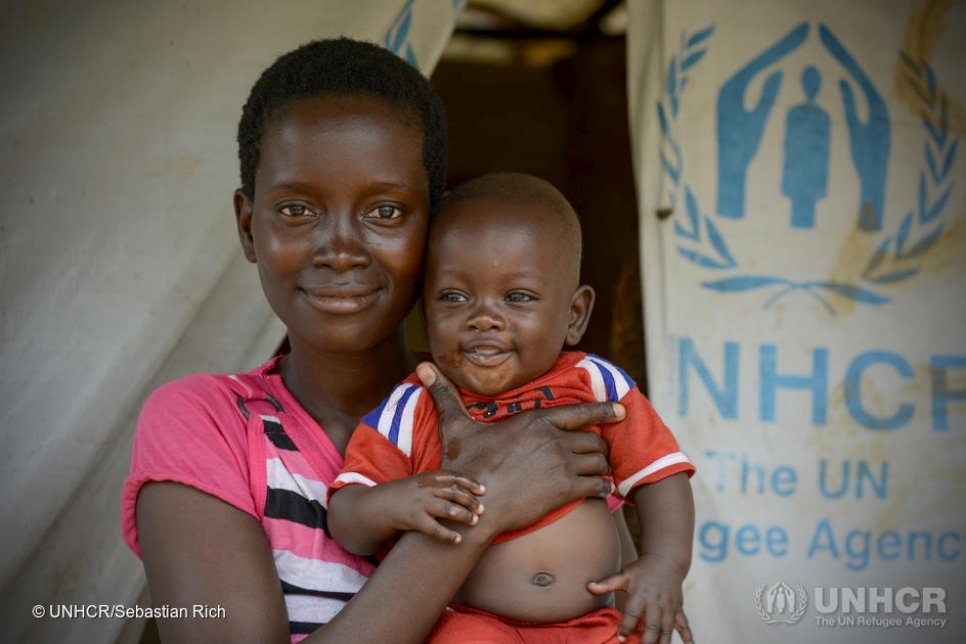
519,298
294,210
386,212
452,298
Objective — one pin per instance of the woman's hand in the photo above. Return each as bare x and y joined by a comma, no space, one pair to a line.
531,462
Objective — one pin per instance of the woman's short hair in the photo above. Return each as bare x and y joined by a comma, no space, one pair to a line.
344,67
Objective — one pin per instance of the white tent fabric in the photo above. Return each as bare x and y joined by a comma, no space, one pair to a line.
802,190
119,265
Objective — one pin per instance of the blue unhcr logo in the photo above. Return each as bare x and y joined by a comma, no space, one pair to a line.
397,38
805,166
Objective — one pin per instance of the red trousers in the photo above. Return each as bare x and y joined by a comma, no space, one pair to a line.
465,625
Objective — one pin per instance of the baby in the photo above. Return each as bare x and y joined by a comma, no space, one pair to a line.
501,299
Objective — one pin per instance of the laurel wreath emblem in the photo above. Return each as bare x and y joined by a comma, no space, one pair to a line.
397,37
897,253
920,229
793,618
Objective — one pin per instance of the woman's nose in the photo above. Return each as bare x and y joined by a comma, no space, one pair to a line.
341,245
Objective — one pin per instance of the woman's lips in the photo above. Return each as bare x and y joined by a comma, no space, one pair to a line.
341,300
485,355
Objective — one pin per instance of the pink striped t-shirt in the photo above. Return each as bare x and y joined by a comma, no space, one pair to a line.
244,439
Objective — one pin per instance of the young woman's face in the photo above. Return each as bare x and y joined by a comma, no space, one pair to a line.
338,222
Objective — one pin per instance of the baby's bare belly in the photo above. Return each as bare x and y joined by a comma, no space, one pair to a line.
542,576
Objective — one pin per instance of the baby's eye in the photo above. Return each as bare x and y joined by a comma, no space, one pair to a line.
295,210
452,297
519,298
385,212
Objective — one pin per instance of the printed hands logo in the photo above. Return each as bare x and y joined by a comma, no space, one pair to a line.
780,604
805,169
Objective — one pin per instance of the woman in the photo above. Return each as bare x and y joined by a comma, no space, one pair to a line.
342,150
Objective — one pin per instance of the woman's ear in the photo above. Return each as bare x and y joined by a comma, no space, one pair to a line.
243,217
581,306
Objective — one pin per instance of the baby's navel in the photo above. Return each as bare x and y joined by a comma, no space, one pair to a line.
543,579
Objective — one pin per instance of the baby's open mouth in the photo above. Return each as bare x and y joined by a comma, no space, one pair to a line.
486,355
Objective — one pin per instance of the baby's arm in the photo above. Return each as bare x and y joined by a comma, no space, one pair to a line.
362,518
653,582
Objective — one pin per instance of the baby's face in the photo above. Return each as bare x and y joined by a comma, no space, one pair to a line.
500,295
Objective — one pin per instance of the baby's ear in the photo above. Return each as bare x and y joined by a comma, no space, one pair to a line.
581,306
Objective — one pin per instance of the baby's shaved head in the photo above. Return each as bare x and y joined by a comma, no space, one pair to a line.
516,191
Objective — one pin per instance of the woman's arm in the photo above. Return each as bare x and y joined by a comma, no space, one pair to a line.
200,550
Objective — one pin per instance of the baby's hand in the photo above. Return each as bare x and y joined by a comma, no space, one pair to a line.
654,600
417,502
